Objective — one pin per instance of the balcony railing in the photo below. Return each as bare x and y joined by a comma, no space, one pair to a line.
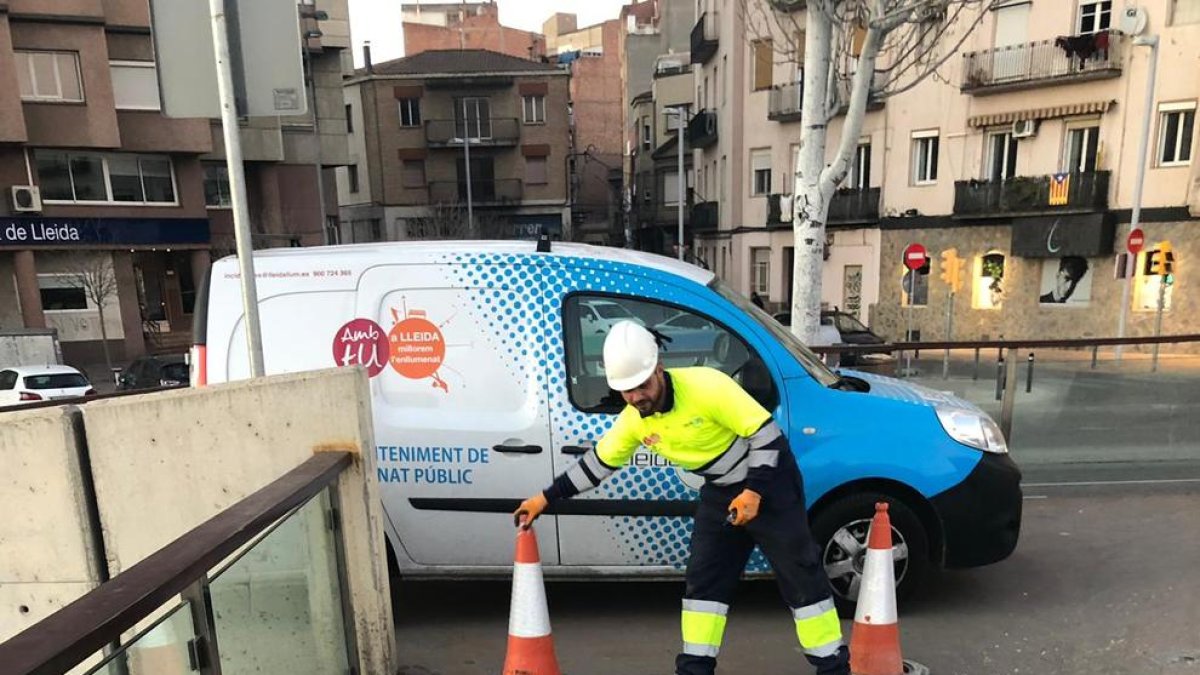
702,129
1031,196
491,131
849,206
1038,64
786,102
672,70
854,206
705,216
483,192
705,37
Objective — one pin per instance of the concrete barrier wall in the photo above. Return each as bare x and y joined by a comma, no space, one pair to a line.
164,463
47,557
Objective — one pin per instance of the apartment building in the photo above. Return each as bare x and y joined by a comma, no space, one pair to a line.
465,25
94,176
1022,155
442,132
658,88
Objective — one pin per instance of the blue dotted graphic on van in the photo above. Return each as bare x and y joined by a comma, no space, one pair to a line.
521,295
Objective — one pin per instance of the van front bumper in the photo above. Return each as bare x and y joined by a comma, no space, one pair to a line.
981,516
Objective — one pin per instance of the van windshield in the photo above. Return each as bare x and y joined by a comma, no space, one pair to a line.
808,360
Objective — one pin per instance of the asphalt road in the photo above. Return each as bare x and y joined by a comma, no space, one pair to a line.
1103,581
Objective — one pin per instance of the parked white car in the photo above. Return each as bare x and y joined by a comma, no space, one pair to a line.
30,384
601,315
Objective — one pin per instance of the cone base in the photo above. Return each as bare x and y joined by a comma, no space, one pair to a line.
531,656
875,649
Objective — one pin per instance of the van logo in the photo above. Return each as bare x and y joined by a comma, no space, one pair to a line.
361,342
417,348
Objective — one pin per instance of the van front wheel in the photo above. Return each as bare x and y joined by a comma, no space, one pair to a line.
840,531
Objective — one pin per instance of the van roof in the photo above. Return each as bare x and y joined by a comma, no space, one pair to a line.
430,249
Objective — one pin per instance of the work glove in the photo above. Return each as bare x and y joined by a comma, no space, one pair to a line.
529,510
744,508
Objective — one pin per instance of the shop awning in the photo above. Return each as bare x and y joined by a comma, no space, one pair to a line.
996,119
1088,236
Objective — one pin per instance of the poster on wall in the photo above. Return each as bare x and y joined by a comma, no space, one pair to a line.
1066,281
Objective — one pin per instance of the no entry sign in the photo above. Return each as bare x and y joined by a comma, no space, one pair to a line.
914,256
1137,239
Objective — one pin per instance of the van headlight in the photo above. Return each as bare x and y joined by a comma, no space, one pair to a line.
974,429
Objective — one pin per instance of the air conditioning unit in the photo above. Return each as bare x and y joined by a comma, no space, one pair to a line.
1024,129
26,199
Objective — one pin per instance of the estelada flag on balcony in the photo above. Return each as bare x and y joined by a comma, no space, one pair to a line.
1060,186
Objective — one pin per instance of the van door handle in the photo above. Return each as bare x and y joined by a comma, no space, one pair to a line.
519,449
580,449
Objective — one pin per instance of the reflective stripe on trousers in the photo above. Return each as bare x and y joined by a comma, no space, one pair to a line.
703,625
818,628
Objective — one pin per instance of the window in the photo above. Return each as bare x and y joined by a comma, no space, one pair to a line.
860,167
914,289
724,77
478,117
1083,145
1147,286
535,170
49,76
349,118
61,293
1094,15
1176,124
670,189
760,271
216,186
112,178
987,291
647,134
1002,156
135,85
55,381
352,177
535,108
760,171
412,173
925,157
1185,11
8,380
366,230
410,112
696,340
764,61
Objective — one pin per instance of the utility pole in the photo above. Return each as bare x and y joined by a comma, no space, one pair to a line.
237,185
1150,41
682,177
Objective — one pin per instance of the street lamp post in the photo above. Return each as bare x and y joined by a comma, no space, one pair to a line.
312,87
681,178
467,168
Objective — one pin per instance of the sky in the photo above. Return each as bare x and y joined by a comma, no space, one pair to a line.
379,20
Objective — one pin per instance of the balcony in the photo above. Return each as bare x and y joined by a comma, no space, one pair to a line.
705,216
671,70
854,206
502,192
488,132
702,129
1077,58
705,37
1030,196
666,209
786,102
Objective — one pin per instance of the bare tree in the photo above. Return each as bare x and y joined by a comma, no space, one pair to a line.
94,274
448,221
851,52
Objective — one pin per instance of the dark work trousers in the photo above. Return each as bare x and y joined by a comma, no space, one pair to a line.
720,552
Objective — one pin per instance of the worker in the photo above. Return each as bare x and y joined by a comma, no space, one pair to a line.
700,419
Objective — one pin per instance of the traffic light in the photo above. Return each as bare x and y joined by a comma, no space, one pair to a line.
952,266
1161,261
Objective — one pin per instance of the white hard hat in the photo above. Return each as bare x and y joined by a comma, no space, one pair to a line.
630,355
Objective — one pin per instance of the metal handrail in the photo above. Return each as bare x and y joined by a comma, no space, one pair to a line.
66,638
35,405
1045,60
1003,344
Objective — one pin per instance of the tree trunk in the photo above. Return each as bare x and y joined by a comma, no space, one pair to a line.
104,344
815,183
810,206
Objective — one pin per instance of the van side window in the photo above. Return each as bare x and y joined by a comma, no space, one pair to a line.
8,380
687,338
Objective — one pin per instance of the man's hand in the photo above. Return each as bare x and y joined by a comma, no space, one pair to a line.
744,508
531,508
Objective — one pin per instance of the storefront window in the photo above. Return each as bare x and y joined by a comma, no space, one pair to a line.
60,293
1146,288
988,292
914,289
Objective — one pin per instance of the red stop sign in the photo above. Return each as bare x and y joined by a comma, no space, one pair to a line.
1137,239
914,256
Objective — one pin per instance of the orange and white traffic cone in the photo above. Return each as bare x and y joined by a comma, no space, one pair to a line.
875,638
530,645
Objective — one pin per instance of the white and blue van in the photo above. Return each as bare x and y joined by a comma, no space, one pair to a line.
485,368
